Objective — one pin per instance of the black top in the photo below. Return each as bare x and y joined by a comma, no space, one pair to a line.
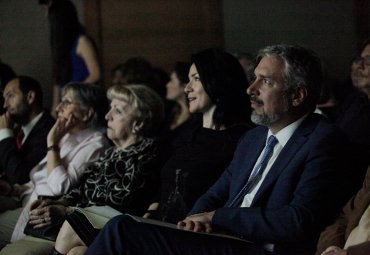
198,159
123,179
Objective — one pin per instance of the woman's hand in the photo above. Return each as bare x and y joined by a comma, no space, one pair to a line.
334,250
152,210
60,128
45,212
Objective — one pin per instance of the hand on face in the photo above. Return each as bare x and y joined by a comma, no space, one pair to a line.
5,120
60,128
44,212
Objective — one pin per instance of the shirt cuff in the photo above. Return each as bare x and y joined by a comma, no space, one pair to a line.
6,133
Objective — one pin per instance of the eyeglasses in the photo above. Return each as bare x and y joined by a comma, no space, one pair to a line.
362,60
65,103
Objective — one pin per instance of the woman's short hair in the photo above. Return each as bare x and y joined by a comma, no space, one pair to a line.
90,96
225,83
146,105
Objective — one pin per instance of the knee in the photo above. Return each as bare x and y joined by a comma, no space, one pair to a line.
119,220
67,234
79,250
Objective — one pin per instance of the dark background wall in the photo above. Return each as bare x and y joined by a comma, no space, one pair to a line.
327,27
165,31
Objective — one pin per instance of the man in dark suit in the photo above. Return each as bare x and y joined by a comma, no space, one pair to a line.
24,112
278,194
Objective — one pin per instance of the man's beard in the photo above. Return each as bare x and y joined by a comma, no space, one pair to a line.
360,80
265,119
21,117
18,119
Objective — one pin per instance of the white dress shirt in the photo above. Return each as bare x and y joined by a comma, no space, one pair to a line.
282,136
76,152
7,132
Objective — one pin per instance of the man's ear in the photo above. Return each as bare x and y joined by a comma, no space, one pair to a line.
87,115
299,96
31,95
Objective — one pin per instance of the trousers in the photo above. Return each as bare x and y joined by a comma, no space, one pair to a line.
124,235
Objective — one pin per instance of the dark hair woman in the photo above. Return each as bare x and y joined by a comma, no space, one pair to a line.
217,92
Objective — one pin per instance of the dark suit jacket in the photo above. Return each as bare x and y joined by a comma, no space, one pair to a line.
337,233
301,193
17,164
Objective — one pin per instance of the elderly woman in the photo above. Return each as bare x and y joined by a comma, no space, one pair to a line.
216,90
73,143
125,178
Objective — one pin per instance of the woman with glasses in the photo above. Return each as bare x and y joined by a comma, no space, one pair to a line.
74,142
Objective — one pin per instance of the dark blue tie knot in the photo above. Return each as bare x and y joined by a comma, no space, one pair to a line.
271,141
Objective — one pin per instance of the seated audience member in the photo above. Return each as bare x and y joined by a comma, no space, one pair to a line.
349,234
72,144
353,113
126,176
138,70
360,75
135,70
216,91
175,92
280,189
179,118
247,61
6,74
23,129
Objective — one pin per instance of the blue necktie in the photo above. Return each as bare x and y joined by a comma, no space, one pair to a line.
256,175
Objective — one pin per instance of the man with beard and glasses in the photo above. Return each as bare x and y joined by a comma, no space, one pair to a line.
23,130
353,112
283,186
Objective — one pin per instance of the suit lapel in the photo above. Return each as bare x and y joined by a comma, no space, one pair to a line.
39,124
295,143
256,145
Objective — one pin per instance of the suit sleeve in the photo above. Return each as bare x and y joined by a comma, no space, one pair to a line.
18,164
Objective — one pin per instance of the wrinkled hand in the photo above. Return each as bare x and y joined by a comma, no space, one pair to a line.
201,222
334,250
5,121
60,128
44,212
